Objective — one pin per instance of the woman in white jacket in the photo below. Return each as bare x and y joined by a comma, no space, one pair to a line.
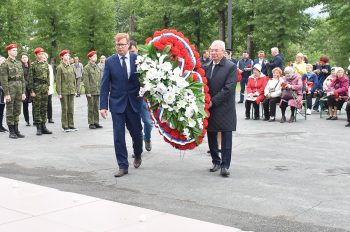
272,94
50,92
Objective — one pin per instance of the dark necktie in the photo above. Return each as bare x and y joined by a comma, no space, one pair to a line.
124,68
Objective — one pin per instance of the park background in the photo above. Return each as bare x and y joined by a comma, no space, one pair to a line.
81,26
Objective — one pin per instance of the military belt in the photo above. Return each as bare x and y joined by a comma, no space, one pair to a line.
39,81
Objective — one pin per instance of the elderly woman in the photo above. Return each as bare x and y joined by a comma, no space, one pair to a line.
310,82
299,64
338,95
255,91
272,94
292,94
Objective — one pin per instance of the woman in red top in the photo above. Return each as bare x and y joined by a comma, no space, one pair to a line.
255,91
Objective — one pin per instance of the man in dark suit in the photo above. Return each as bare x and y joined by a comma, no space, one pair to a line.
262,61
277,61
120,85
222,81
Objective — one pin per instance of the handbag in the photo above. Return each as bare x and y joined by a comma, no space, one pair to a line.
287,94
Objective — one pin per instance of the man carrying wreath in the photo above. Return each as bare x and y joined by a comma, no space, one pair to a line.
222,81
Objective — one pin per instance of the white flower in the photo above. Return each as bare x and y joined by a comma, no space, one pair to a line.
186,133
161,88
200,123
142,91
166,67
189,112
191,122
181,83
169,97
181,119
151,74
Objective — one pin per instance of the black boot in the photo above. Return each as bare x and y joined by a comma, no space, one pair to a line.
45,130
12,134
292,118
18,133
283,119
38,129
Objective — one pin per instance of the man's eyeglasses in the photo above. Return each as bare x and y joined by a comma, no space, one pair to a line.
121,45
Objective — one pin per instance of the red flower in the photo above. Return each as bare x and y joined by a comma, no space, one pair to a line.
175,134
157,33
206,89
194,77
148,40
204,79
207,98
205,123
204,132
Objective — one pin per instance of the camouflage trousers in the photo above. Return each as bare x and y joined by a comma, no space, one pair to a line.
13,108
93,113
40,105
67,106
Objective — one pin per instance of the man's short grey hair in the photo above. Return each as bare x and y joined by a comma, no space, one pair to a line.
220,43
275,49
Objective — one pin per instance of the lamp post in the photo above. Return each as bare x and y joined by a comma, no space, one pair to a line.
229,24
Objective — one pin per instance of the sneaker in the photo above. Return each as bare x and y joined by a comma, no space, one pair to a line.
272,119
308,112
72,128
92,126
66,130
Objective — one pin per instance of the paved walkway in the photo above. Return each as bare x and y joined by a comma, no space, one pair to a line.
34,208
284,177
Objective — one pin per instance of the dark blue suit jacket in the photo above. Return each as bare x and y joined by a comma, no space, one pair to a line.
116,89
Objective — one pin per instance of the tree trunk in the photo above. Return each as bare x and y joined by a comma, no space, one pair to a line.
132,23
250,45
222,25
197,30
166,21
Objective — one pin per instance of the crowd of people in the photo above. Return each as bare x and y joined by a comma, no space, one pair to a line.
112,85
299,84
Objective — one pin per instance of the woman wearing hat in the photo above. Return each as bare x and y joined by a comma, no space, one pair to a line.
255,91
292,94
338,94
66,87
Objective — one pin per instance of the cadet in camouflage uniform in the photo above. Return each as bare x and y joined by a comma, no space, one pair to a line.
12,80
91,78
65,87
38,85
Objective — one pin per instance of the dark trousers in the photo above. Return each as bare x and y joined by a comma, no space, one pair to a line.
226,148
243,83
284,106
317,101
26,111
309,100
2,107
49,107
270,106
347,110
132,120
248,104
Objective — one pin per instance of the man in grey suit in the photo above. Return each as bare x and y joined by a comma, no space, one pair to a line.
222,81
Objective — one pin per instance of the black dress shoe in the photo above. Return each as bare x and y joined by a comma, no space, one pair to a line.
121,173
224,172
347,125
329,118
334,118
247,118
148,145
50,121
98,126
137,162
215,168
28,124
92,126
291,119
240,102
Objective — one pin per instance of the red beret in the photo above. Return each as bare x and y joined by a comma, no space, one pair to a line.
90,54
64,52
11,46
38,50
